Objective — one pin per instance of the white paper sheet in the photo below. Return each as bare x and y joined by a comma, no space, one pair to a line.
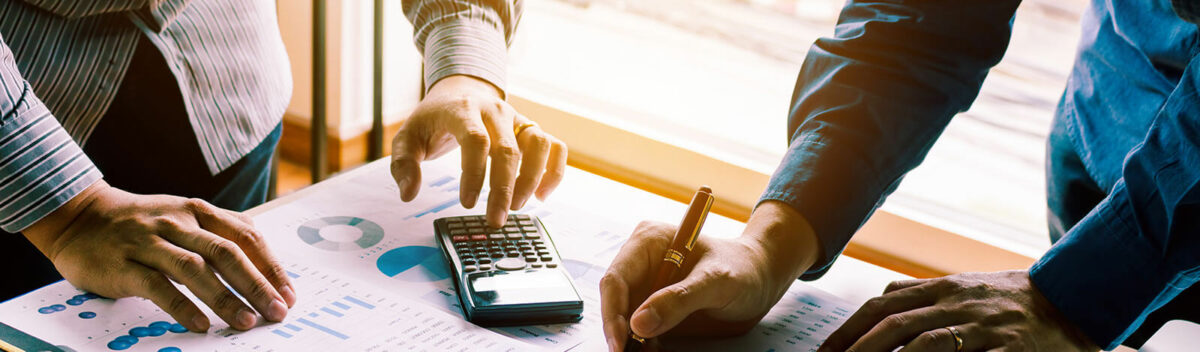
357,239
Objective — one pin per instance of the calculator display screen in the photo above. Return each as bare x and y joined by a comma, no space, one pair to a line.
527,287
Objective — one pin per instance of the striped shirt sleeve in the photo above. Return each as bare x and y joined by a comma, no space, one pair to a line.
41,167
83,8
464,37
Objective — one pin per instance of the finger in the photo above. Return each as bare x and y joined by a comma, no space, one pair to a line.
669,306
535,150
897,285
556,167
476,144
240,254
152,285
407,154
506,158
897,329
941,339
872,312
190,269
242,232
632,264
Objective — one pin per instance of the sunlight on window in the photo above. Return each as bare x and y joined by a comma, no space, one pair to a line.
717,77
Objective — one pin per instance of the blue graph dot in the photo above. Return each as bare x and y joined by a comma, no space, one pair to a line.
81,298
127,339
90,295
87,315
140,331
178,328
75,302
116,345
157,331
46,310
170,349
160,324
428,261
58,307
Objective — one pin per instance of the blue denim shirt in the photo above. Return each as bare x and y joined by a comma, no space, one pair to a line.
871,100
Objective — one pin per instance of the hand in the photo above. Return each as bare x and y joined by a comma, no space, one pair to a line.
999,311
730,284
117,244
466,111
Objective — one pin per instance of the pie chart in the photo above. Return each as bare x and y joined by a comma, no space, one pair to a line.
414,264
340,233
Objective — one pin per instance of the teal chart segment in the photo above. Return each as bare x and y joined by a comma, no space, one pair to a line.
414,264
368,233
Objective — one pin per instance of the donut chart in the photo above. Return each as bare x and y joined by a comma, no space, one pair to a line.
319,233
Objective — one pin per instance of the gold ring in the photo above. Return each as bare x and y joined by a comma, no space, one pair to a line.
521,128
958,343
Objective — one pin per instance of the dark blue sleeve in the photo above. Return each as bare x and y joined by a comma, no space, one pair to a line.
1140,247
871,100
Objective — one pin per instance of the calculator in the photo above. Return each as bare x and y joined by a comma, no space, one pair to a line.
510,275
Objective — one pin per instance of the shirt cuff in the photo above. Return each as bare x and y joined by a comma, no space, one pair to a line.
41,167
1103,277
465,46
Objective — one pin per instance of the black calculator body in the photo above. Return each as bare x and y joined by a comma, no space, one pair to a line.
507,276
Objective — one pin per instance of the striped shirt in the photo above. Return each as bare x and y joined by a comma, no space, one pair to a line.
61,62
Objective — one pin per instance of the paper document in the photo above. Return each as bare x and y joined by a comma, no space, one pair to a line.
370,276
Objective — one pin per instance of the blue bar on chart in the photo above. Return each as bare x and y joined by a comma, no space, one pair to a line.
323,328
332,312
281,333
359,302
293,327
292,275
442,181
443,206
341,305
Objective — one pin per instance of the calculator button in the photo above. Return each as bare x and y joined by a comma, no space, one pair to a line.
538,242
485,260
546,258
468,261
485,267
530,259
468,268
497,255
536,265
542,252
522,217
473,224
510,264
455,225
513,254
479,237
460,238
496,236
513,236
458,232
540,247
512,228
551,265
512,216
524,222
528,254
533,235
529,228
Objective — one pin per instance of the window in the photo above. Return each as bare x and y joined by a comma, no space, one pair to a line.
717,76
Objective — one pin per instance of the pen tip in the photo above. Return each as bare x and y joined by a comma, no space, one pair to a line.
705,189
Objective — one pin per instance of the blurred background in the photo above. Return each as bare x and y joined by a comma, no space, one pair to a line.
711,76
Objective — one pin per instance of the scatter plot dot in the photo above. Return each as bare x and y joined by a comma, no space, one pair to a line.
87,315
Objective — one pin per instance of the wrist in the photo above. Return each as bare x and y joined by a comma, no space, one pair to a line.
46,234
787,242
465,84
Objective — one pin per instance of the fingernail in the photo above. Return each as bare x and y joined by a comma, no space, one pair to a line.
276,311
402,185
200,322
647,321
289,295
469,199
246,319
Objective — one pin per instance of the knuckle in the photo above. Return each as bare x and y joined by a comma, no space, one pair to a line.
476,139
893,322
179,303
190,265
506,151
613,281
198,205
227,301
874,305
224,251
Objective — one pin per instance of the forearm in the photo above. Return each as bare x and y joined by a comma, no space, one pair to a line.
785,237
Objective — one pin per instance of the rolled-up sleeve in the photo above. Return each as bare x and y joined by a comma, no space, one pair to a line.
1140,247
871,100
464,37
41,167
